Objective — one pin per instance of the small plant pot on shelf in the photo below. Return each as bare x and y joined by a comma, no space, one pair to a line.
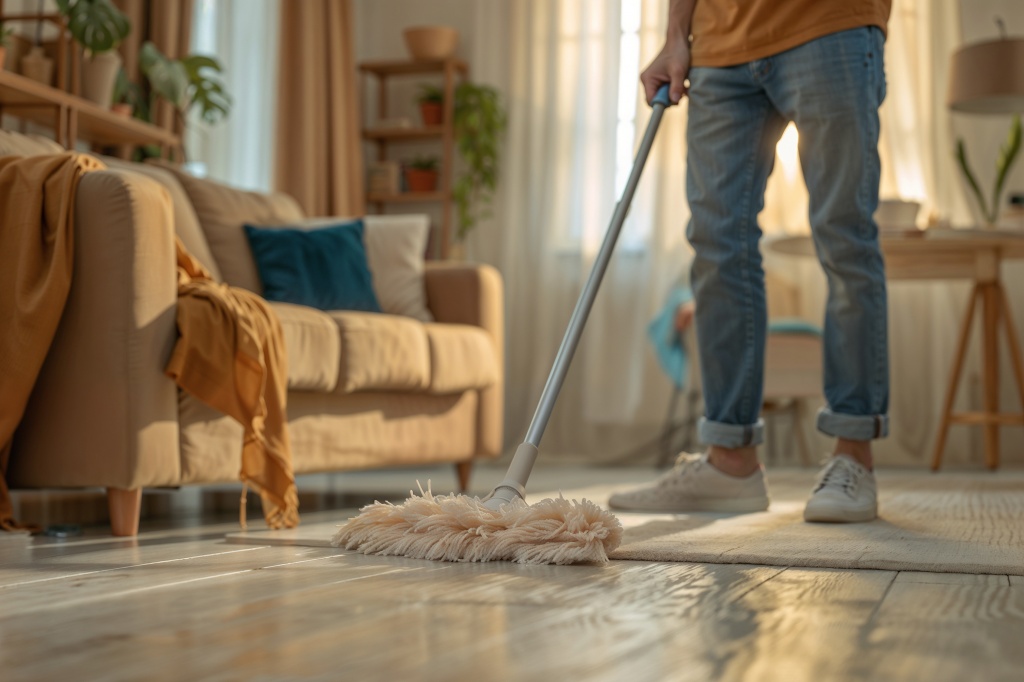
417,180
432,113
99,73
123,109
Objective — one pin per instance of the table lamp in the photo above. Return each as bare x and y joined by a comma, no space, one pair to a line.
988,78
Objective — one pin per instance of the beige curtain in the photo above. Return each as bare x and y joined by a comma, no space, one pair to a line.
318,155
168,23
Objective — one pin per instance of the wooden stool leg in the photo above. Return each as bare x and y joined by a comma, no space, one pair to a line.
799,411
125,507
464,470
990,352
954,378
1014,342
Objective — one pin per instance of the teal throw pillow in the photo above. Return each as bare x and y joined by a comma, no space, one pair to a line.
323,268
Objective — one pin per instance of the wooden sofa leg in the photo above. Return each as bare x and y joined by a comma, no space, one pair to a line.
464,470
125,507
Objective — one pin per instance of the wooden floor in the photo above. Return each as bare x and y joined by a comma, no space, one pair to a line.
180,604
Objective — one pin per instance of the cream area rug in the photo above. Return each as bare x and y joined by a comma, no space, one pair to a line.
945,523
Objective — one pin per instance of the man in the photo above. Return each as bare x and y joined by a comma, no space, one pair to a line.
752,66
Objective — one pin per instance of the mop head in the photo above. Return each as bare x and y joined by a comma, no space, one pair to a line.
460,528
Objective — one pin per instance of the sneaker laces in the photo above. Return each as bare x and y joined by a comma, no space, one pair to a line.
839,473
686,463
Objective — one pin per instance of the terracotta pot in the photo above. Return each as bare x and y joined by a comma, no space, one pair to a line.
123,109
99,74
3,55
430,43
420,180
432,113
37,66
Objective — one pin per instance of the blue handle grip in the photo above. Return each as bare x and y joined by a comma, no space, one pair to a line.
661,97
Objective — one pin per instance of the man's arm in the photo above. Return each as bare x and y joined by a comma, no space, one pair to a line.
672,65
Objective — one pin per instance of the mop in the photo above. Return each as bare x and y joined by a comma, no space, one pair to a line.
501,526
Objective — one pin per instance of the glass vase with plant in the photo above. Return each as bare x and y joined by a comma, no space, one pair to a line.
480,121
1007,157
99,27
431,101
421,174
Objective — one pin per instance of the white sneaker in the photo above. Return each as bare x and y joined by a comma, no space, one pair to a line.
694,485
846,493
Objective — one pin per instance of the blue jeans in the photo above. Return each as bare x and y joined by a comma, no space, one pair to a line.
831,88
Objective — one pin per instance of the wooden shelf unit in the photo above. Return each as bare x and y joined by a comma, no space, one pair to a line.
73,118
449,70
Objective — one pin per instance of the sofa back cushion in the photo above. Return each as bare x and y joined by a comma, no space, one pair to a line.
223,211
17,144
323,268
186,222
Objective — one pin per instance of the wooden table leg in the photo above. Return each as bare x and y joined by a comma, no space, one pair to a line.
954,378
990,354
1014,343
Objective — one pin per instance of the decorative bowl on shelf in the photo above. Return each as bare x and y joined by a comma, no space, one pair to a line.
431,43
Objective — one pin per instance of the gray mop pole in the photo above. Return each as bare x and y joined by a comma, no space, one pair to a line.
514,483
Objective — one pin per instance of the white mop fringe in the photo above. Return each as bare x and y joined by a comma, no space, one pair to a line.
460,528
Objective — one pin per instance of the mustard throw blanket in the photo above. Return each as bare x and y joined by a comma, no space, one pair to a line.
230,351
37,210
230,355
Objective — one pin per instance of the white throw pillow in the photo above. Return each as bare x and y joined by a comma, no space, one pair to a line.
395,246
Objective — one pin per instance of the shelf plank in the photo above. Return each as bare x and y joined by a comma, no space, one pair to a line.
405,67
406,198
24,98
418,133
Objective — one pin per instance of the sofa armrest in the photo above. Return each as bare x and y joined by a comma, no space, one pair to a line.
102,412
463,293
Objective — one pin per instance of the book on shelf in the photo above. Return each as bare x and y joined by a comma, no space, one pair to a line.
384,177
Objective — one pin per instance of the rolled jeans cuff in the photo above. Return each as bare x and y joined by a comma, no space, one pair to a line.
730,435
853,427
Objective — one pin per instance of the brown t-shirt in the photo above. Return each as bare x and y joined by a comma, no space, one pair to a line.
730,32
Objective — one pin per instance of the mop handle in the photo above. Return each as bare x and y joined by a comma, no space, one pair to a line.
526,454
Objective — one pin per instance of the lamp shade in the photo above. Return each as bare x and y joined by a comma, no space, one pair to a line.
988,78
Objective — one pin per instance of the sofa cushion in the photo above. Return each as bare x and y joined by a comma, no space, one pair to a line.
323,268
381,352
223,210
18,144
395,248
186,222
313,345
462,358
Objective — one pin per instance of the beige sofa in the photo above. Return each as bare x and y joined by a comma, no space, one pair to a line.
365,390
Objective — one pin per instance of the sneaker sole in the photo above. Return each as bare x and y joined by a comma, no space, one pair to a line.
840,515
744,505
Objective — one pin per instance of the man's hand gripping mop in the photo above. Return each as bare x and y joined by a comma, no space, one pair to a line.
501,526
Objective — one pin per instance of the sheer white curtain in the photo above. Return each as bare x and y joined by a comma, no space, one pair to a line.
570,141
243,35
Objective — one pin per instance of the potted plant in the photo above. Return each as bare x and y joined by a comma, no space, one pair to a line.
99,27
1007,156
431,101
128,97
479,122
5,34
421,174
184,83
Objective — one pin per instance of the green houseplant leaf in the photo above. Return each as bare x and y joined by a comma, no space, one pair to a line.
1007,155
167,78
479,122
205,89
961,157
97,25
